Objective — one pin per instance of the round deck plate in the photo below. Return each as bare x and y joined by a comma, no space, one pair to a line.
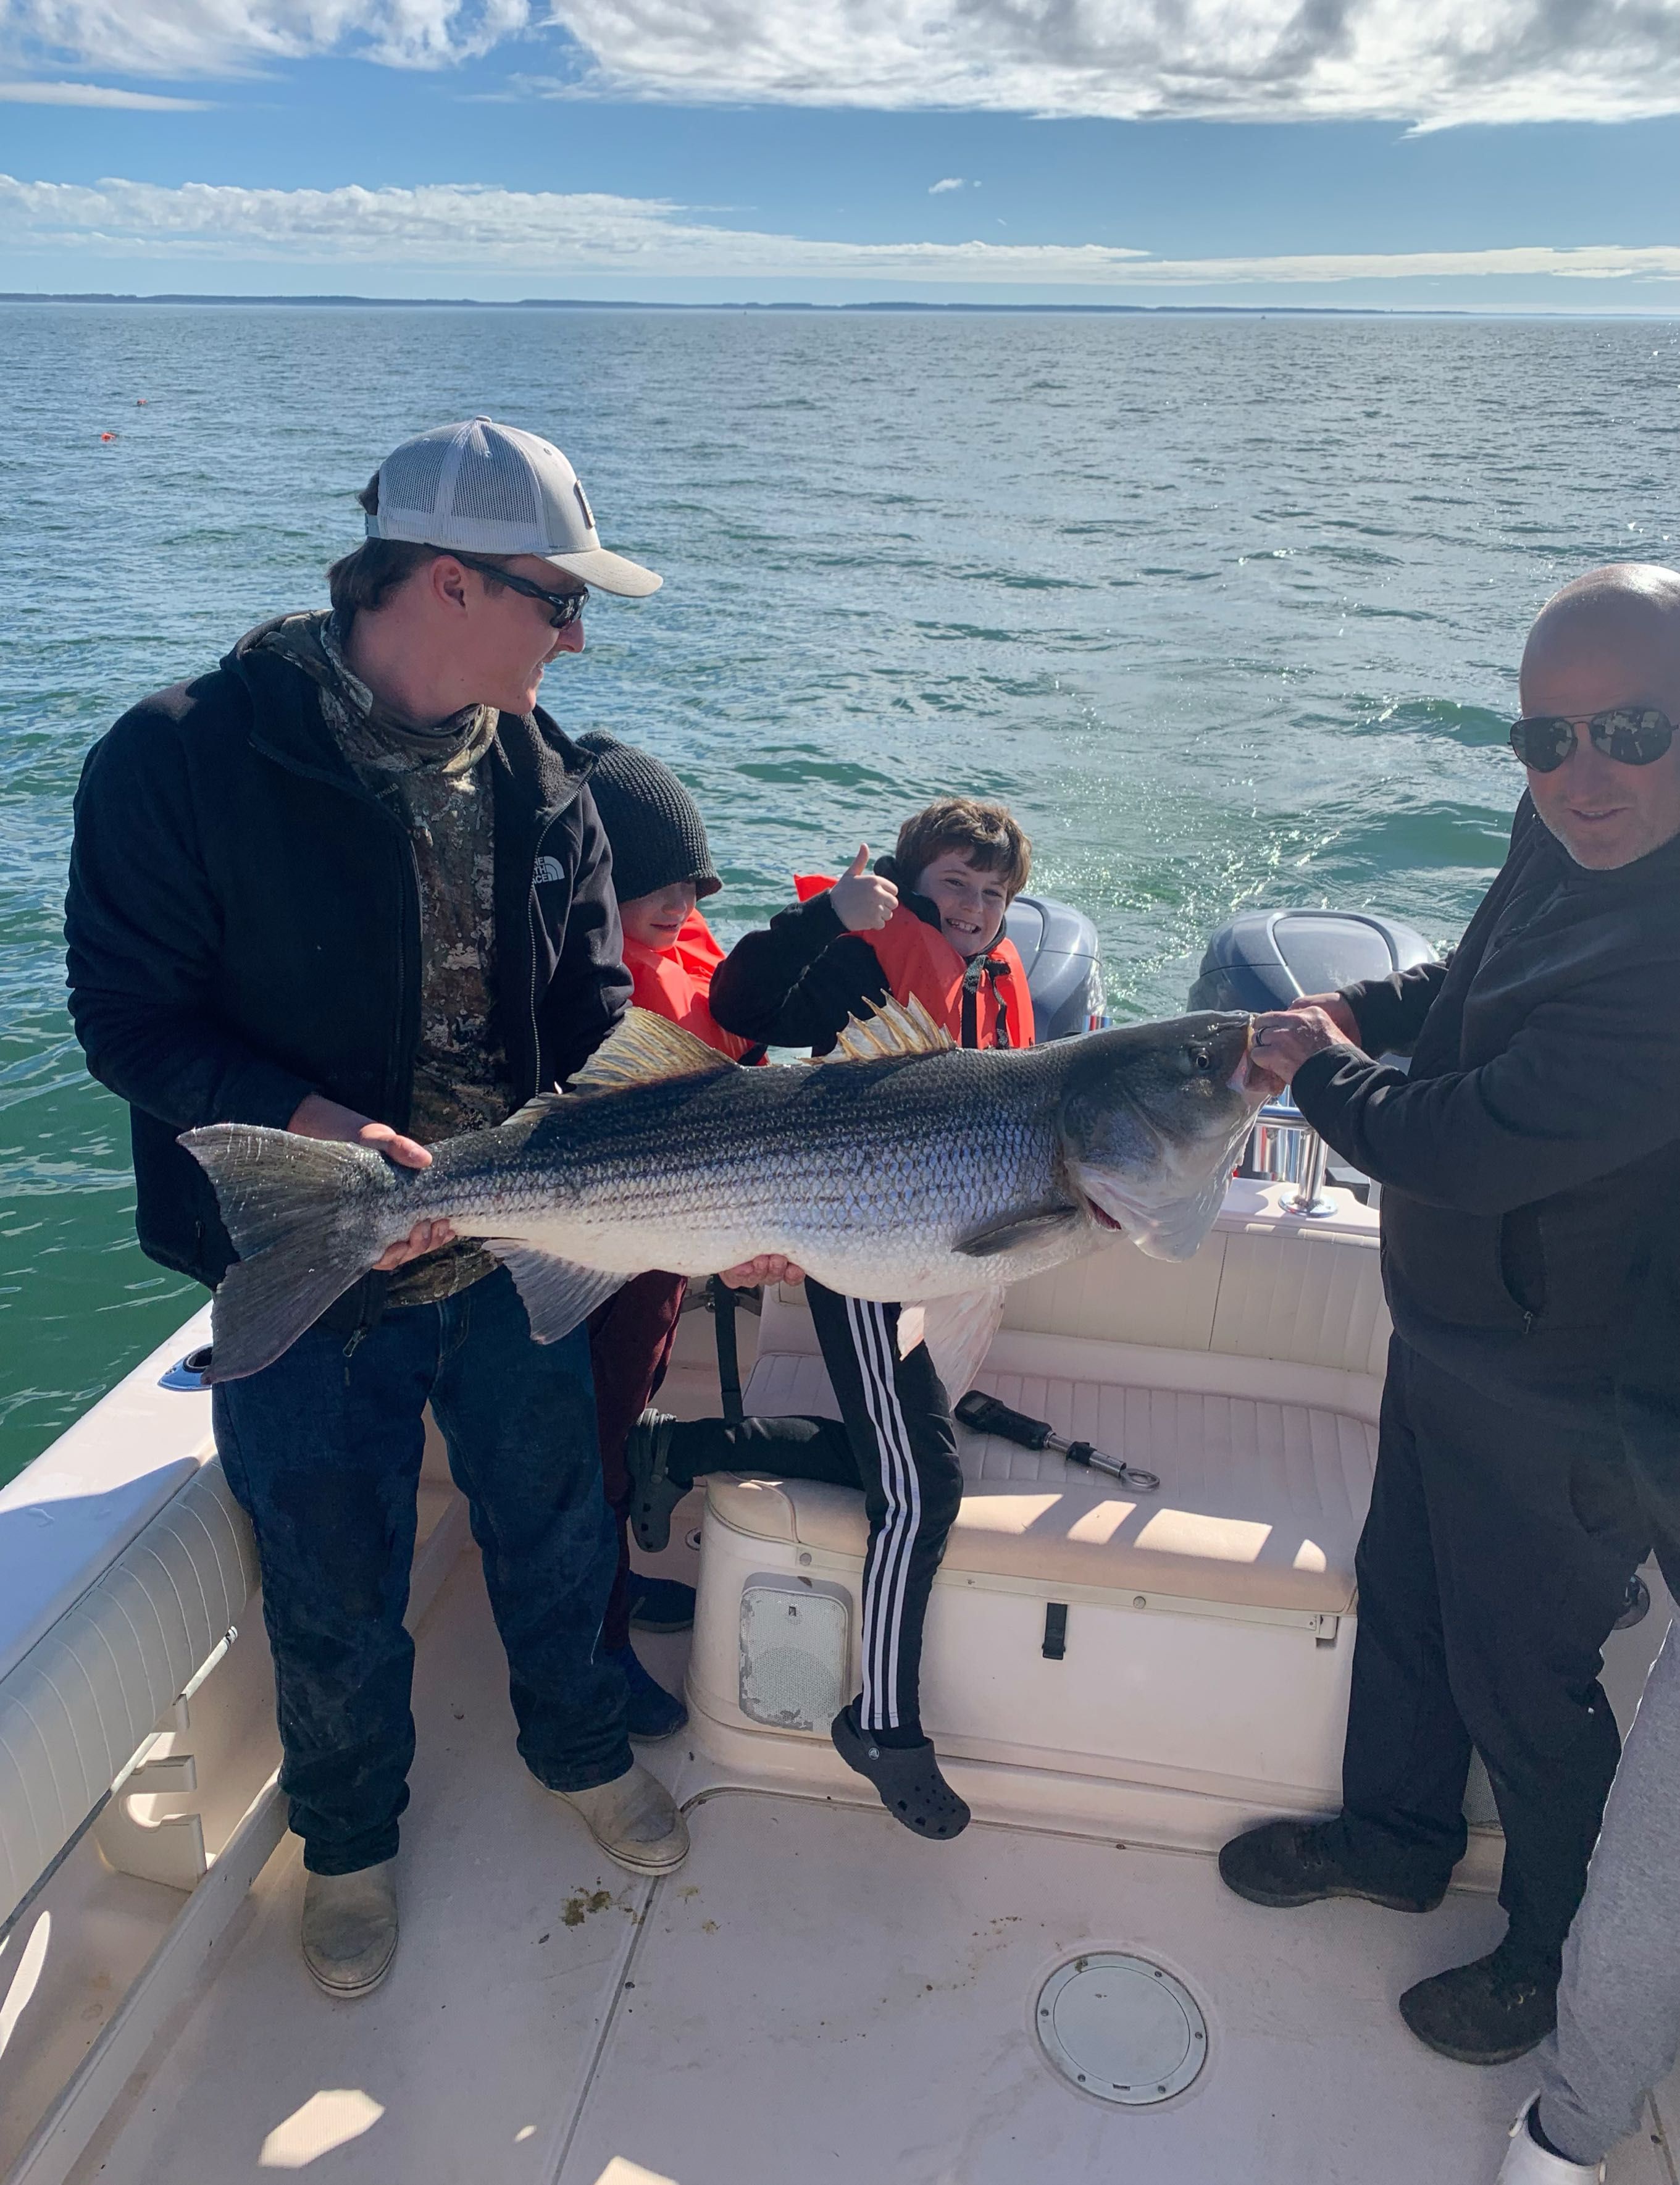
1121,2028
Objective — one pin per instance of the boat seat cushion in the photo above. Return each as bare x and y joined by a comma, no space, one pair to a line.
1261,1500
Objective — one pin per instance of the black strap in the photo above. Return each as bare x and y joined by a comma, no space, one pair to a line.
984,967
728,1357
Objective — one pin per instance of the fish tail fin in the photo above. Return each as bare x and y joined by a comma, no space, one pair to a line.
304,1217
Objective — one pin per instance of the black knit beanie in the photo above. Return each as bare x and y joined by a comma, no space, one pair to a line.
651,821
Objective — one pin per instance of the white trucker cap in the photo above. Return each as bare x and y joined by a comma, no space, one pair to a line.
489,488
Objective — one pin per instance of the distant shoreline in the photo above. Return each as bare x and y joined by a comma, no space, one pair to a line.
632,303
885,305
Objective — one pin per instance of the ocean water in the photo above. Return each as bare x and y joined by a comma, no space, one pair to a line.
1228,609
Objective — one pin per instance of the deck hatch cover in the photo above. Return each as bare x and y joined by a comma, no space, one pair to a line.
1121,2028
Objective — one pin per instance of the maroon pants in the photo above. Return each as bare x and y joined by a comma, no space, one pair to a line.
630,1340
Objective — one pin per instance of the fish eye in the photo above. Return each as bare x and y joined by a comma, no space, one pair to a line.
1201,1059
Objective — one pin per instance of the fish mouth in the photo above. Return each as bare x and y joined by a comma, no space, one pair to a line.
1085,1185
1251,1081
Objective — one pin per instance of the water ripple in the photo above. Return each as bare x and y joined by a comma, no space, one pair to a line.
1230,610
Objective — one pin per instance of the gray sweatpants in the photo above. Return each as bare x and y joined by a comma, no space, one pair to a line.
1619,2000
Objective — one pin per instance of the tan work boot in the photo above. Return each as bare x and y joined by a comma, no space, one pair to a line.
634,1820
349,1933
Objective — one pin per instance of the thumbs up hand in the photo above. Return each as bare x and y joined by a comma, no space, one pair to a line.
863,901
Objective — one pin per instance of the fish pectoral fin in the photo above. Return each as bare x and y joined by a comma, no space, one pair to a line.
642,1047
1032,1227
894,1027
558,1294
958,1333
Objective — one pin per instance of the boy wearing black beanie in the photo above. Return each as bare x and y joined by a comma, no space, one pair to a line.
662,867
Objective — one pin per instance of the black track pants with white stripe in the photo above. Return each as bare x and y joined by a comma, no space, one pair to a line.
897,1442
898,1416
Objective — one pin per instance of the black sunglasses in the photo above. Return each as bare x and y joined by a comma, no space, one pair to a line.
1634,735
563,607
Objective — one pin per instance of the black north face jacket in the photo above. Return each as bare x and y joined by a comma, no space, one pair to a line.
243,926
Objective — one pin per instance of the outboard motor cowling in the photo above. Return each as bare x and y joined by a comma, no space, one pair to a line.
1058,946
1264,959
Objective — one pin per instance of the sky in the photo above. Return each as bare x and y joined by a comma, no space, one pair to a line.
1418,154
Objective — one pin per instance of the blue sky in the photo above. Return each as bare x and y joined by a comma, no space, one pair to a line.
1126,151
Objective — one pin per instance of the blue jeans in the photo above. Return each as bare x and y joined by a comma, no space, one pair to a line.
323,1450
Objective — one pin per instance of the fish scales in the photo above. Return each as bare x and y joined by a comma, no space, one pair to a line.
865,1173
910,1175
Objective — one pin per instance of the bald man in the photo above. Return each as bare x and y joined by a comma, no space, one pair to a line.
1522,1161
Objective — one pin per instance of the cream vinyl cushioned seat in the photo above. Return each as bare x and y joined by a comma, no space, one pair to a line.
1257,1410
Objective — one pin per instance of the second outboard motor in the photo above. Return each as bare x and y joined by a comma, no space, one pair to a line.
1264,959
1059,947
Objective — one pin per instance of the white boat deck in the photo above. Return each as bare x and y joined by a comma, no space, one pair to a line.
817,1995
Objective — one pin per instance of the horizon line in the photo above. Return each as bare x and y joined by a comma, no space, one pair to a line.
881,304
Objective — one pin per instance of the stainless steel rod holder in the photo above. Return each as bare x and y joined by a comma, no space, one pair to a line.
1286,1149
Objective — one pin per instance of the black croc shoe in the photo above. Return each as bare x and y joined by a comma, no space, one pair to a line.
654,1494
907,1776
1284,1864
1491,2011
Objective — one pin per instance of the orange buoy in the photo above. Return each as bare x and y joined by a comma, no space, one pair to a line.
140,402
107,436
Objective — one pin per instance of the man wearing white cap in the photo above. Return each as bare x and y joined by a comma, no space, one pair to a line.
352,884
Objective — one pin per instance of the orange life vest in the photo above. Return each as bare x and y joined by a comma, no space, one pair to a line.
982,1001
675,982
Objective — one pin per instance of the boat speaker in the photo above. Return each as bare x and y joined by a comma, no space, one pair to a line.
795,1651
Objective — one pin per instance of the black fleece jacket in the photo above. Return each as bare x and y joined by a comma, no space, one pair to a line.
1523,1156
243,926
799,981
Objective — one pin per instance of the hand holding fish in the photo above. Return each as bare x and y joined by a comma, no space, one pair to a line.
317,1117
1285,1038
862,900
768,1267
1334,1008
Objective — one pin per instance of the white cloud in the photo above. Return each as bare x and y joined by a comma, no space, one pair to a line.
181,38
462,228
948,182
1431,62
1421,60
34,94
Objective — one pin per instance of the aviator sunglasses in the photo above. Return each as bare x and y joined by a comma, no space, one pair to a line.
1636,735
563,607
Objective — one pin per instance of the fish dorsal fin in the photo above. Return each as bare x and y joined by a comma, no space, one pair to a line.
643,1047
894,1027
537,1110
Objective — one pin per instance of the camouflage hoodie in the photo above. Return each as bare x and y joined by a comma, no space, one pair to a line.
437,781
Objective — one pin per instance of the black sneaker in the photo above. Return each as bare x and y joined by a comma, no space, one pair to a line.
1489,2012
661,1604
651,1712
1283,1863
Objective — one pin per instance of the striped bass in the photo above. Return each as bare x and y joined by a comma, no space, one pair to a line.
901,1168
